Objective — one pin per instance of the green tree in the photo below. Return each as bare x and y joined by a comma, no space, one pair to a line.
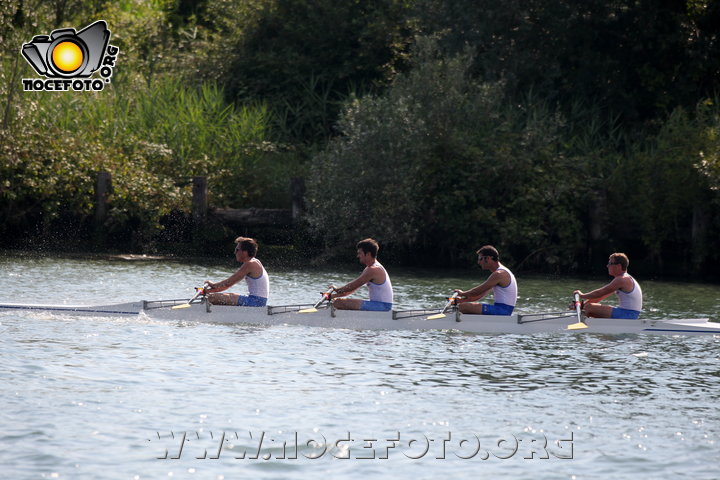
440,164
677,209
305,57
639,59
708,143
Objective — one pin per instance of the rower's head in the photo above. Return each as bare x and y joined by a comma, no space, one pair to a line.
245,248
488,256
367,251
618,261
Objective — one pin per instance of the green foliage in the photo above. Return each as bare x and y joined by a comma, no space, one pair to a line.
440,164
151,142
639,59
708,141
49,178
669,182
669,191
557,130
305,57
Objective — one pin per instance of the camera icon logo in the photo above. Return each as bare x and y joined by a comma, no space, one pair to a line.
66,53
67,59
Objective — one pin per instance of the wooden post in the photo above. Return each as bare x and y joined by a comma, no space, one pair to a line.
597,217
297,193
199,199
103,188
698,238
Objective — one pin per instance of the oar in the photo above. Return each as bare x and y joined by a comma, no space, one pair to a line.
580,324
450,302
325,296
200,291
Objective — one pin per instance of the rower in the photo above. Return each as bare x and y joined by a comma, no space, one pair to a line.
501,283
627,289
374,276
252,271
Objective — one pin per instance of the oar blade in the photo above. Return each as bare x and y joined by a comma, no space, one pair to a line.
178,307
577,326
437,316
308,310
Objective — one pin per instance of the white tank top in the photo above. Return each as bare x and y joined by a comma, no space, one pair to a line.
631,300
381,292
260,287
506,295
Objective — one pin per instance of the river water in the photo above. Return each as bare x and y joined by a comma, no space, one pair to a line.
88,398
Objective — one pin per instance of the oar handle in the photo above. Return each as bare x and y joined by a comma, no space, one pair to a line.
451,301
325,296
200,292
577,306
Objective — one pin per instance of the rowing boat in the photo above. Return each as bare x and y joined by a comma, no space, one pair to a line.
202,311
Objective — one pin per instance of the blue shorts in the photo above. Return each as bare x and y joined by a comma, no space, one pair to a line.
251,301
497,309
624,313
374,306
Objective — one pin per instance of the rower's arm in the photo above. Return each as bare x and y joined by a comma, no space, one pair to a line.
348,289
468,297
231,280
597,299
481,290
602,293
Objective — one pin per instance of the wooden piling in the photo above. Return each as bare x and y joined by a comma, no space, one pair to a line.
199,199
103,188
297,194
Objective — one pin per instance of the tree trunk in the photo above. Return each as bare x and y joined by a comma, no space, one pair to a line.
699,238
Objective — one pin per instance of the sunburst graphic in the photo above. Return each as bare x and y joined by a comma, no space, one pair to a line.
67,56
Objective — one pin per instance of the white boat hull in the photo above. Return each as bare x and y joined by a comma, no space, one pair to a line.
401,320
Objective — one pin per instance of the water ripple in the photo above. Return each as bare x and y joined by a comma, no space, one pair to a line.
88,398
